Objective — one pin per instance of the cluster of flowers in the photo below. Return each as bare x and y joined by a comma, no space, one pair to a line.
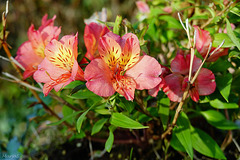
115,63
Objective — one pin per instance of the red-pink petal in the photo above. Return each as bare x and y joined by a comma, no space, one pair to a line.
203,40
179,65
47,22
173,87
205,82
145,73
196,62
49,33
194,94
28,59
36,40
220,52
98,77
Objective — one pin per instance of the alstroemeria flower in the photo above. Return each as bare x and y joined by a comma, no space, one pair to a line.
176,82
31,53
60,66
143,7
154,91
203,40
121,68
92,34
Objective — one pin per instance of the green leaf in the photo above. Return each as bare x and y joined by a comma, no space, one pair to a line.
216,103
83,94
183,134
205,145
219,37
218,120
77,88
224,85
175,143
65,118
73,84
232,36
164,104
121,120
82,117
172,22
66,112
98,125
109,142
116,27
127,105
220,65
234,54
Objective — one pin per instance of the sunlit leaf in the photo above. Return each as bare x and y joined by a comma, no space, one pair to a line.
234,54
164,110
116,27
98,125
220,65
224,85
109,142
216,103
66,112
218,120
231,34
218,39
73,84
83,94
82,117
121,120
205,145
183,134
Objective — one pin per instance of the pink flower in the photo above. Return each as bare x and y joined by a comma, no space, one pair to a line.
154,91
60,66
176,82
31,53
167,9
121,68
143,7
92,34
203,40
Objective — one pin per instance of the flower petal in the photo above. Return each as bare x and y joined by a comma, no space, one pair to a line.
71,42
60,55
36,40
28,59
126,87
109,50
131,51
203,40
173,87
47,71
47,22
205,82
196,62
145,73
98,77
179,65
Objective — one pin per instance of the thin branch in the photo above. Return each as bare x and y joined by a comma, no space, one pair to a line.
218,14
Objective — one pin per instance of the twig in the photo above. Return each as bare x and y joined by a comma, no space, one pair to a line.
235,142
218,14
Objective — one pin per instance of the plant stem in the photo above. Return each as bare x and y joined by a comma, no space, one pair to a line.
218,14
